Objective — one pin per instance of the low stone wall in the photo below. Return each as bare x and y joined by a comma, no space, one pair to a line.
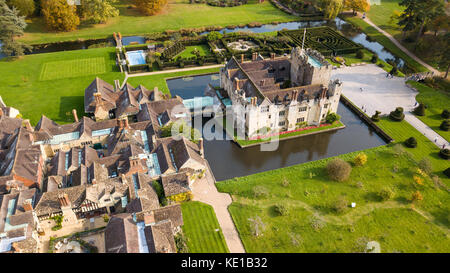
366,119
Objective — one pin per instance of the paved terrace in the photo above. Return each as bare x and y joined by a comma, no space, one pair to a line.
382,94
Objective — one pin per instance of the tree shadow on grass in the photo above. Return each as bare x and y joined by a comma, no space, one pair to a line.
67,104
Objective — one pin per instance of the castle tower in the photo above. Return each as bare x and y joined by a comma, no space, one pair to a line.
309,67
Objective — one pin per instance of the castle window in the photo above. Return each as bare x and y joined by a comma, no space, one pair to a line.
282,123
323,116
326,105
300,120
303,109
264,109
282,68
282,113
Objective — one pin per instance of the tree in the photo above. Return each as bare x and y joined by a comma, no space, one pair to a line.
386,194
416,196
408,19
98,11
150,7
425,165
59,15
26,7
427,10
357,5
438,23
444,59
330,8
12,26
420,110
214,36
332,117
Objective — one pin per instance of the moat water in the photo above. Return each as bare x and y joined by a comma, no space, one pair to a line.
228,160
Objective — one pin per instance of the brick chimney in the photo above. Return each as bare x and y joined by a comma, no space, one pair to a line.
125,123
149,218
63,200
272,56
261,82
98,98
200,145
119,124
28,125
236,84
135,165
242,58
27,205
254,56
75,116
116,85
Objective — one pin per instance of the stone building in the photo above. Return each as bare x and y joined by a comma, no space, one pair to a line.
280,94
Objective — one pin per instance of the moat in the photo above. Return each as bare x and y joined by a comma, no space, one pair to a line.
227,160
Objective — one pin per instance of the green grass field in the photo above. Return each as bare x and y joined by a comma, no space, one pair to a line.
52,84
201,229
436,101
187,53
73,68
177,15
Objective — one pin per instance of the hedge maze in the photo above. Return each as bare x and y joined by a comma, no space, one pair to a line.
323,39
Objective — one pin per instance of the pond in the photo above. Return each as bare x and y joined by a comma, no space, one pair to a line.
133,40
227,160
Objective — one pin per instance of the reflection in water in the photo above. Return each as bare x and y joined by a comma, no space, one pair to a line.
227,160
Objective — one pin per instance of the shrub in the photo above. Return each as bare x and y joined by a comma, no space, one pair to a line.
374,58
338,169
445,114
106,218
425,165
416,196
418,180
340,205
260,191
285,182
181,197
359,54
181,243
386,194
445,125
411,142
444,153
332,117
360,159
281,209
397,115
447,172
376,116
420,110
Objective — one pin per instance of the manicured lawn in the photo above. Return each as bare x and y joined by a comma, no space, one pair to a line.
401,131
187,53
52,84
201,229
380,15
383,40
312,225
159,80
352,59
177,15
436,101
72,68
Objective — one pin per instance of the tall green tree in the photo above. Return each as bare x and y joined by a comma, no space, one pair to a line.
331,8
59,15
428,10
26,7
12,25
409,18
99,11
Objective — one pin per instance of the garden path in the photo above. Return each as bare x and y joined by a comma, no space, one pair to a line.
205,191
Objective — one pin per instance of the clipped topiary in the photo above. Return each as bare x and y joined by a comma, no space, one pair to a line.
445,114
397,115
359,54
374,59
420,110
445,125
386,194
376,116
444,153
447,172
411,142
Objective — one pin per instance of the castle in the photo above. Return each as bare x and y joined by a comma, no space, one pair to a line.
280,94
